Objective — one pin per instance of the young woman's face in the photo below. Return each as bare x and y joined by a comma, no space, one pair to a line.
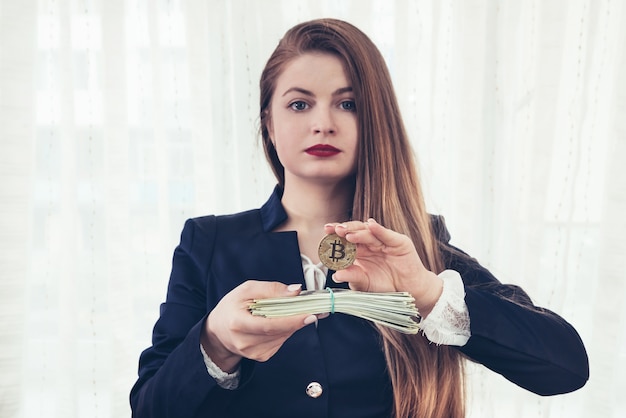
313,121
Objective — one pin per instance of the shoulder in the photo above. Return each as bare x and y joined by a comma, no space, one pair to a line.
249,220
199,233
200,237
438,225
236,222
456,259
473,274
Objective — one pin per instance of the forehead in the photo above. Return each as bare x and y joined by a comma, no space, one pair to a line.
313,70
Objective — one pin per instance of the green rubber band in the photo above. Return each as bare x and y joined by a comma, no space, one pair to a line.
332,300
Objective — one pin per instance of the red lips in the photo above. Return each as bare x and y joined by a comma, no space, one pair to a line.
322,150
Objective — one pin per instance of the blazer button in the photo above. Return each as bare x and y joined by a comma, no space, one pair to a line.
314,390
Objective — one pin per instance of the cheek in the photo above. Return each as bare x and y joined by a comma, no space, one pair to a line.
288,130
282,138
353,133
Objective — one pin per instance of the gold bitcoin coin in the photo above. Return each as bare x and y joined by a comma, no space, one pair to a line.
336,253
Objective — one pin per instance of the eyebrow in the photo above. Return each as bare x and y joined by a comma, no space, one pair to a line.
310,93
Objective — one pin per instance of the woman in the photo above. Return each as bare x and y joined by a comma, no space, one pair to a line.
333,134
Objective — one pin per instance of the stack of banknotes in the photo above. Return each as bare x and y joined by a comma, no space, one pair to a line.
395,310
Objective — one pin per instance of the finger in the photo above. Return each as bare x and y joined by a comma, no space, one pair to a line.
360,234
262,351
347,227
364,238
262,348
335,227
254,289
276,327
352,226
386,236
259,348
354,275
329,228
259,338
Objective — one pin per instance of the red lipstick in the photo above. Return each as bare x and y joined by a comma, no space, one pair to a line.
322,150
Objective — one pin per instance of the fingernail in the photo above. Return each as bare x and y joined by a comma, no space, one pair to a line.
328,225
310,319
294,287
372,220
344,226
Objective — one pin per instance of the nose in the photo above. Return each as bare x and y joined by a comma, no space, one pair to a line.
324,122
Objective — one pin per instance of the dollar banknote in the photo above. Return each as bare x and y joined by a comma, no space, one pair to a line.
395,310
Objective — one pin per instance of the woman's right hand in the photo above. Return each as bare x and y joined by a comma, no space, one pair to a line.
232,332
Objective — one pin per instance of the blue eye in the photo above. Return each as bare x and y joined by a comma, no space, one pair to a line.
298,105
348,105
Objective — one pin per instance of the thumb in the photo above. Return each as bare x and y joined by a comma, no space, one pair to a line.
294,289
298,321
254,289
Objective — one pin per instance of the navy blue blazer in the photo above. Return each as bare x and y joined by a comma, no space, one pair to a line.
531,346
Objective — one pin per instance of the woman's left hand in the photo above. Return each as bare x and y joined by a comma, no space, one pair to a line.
386,261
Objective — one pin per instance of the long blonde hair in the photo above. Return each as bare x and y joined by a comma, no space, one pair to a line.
427,379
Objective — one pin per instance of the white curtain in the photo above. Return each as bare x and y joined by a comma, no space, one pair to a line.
120,119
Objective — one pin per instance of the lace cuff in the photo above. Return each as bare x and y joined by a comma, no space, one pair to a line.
224,380
449,322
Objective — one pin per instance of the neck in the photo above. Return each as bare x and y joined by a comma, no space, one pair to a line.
310,206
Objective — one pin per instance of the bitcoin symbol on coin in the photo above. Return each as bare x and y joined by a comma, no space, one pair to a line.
336,253
341,251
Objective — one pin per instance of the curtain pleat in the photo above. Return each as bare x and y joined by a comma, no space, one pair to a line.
17,70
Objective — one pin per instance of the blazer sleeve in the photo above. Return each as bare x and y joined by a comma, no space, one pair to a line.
173,381
531,346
